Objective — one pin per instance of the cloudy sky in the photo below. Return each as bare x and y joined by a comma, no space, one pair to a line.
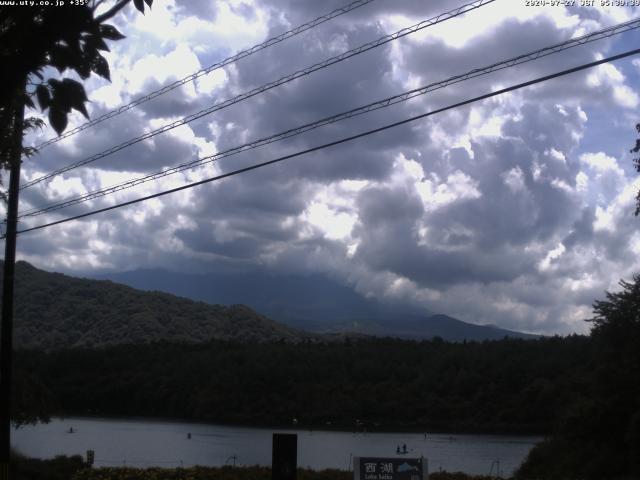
515,211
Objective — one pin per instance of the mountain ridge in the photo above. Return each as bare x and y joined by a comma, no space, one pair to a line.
57,311
313,303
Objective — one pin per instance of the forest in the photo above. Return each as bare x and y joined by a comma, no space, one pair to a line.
373,384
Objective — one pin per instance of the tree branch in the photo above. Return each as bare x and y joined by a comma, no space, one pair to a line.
110,13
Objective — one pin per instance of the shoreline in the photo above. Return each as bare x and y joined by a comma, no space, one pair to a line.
301,428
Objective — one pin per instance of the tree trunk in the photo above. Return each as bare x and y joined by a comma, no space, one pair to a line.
6,324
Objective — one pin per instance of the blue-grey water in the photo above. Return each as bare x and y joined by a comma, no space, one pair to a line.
144,443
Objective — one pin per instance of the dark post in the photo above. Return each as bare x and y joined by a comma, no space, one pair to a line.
90,457
284,460
6,325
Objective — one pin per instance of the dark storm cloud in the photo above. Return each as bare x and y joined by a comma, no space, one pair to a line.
581,232
505,216
175,103
297,11
544,127
250,195
389,241
478,240
200,8
241,247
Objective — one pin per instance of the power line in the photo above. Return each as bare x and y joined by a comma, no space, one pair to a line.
594,36
268,86
227,61
342,140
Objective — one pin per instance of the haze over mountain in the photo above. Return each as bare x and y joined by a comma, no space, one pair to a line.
311,302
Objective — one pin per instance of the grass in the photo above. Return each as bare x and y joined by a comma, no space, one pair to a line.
232,473
74,468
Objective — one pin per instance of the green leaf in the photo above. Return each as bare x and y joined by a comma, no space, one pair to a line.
84,68
43,95
101,67
95,42
72,95
74,89
110,32
57,119
68,94
61,57
83,110
148,2
139,5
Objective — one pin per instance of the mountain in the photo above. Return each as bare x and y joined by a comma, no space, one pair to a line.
313,303
292,299
55,311
415,327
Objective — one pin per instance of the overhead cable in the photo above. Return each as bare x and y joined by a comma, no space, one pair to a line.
528,57
256,91
338,142
227,61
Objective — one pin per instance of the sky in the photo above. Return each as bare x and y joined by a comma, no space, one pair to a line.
515,211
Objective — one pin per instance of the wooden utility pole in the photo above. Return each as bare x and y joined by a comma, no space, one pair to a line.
16,124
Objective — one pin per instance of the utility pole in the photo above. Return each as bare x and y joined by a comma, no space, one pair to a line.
16,123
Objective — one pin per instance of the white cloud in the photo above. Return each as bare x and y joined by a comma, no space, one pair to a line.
333,224
514,179
556,155
176,64
582,181
604,220
458,186
608,76
601,162
552,257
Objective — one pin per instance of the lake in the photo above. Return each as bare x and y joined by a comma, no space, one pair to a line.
144,443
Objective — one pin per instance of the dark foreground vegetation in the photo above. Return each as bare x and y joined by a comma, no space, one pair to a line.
59,468
73,468
228,473
384,384
598,435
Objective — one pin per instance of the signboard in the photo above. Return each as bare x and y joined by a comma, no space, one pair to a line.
376,468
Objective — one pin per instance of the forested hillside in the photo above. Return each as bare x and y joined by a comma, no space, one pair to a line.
55,311
508,385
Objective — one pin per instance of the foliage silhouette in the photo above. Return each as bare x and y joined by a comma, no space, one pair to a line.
33,39
636,164
599,436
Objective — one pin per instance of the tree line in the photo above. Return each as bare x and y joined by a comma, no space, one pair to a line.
374,384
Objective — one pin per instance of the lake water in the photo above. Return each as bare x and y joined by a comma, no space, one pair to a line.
144,443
